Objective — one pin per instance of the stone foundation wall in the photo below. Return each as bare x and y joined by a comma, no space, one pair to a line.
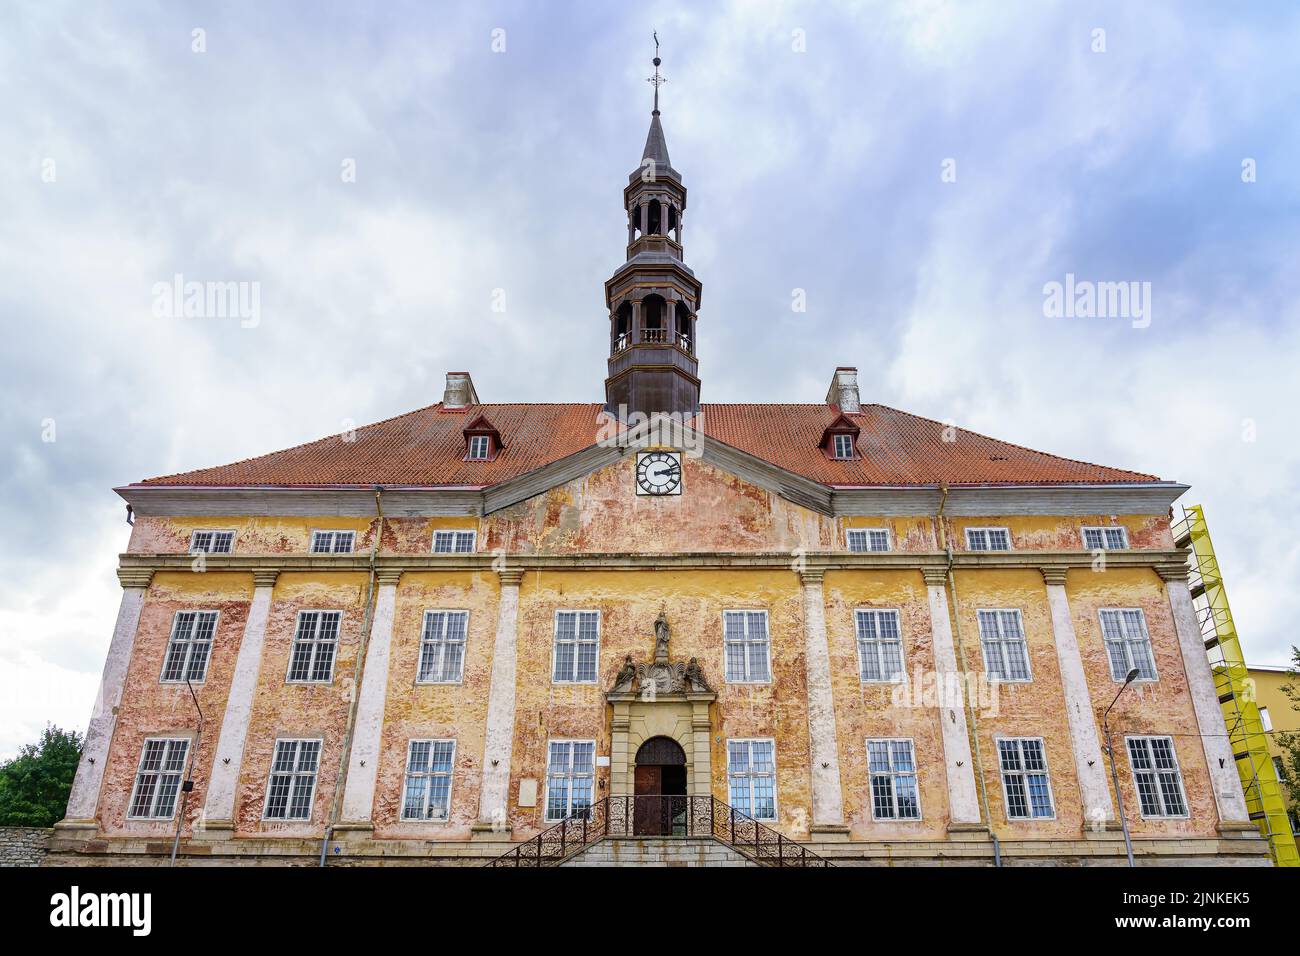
23,846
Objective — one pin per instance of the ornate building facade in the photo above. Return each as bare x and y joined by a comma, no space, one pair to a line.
882,638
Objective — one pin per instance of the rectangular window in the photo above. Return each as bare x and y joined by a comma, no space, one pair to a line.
570,769
843,446
1265,720
1156,774
880,646
442,647
988,539
1006,657
868,539
189,647
892,767
292,787
1127,643
212,542
1108,538
333,542
479,446
747,645
1025,783
751,777
427,795
158,778
314,644
577,646
453,542
1279,768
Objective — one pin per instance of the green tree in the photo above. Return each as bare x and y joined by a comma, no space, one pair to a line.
34,786
1290,742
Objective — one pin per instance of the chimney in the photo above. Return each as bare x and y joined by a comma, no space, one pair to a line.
844,390
459,392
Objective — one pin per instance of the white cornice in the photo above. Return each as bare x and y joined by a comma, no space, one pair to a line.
1148,498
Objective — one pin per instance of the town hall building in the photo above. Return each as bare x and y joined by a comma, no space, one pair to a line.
485,631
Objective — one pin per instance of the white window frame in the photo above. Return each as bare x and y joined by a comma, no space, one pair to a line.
1126,643
571,776
333,534
999,641
216,534
455,536
988,532
311,668
430,776
746,643
879,642
750,776
1105,531
294,775
1265,719
477,442
867,535
167,745
836,438
1023,774
577,641
191,644
893,774
441,642
1155,772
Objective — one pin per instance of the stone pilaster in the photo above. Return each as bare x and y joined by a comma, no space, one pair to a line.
367,731
219,807
963,800
84,798
823,744
1089,766
1228,796
499,739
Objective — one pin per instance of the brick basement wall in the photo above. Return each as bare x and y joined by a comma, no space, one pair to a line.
23,846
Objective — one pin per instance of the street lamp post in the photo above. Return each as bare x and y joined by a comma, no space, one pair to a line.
1114,775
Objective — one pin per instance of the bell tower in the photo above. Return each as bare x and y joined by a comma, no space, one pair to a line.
653,297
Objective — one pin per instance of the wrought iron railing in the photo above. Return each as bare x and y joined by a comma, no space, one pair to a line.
663,815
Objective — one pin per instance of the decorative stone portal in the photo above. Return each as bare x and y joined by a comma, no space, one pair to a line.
656,706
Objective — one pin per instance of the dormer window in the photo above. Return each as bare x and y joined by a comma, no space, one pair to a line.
840,439
482,440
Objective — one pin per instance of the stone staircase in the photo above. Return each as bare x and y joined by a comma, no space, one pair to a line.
658,851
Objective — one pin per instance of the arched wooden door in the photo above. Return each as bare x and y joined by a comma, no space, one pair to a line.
659,779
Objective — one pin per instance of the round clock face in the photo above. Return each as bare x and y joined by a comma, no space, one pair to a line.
659,473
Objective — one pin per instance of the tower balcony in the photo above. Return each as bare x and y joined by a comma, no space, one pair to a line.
681,340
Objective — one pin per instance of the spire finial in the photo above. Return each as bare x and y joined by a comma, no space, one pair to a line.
656,80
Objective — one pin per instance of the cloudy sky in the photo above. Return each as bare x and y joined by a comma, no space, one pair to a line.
920,169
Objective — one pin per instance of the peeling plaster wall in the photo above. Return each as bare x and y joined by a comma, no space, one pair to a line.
601,513
1162,707
865,710
436,711
1036,709
150,708
629,602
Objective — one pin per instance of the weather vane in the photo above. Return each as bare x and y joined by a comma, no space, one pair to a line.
657,80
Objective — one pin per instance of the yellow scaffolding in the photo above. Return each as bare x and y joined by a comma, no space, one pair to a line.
1235,689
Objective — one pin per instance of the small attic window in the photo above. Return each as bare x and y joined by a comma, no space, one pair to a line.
482,440
840,438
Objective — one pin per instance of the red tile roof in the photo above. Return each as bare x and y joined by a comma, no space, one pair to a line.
427,448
